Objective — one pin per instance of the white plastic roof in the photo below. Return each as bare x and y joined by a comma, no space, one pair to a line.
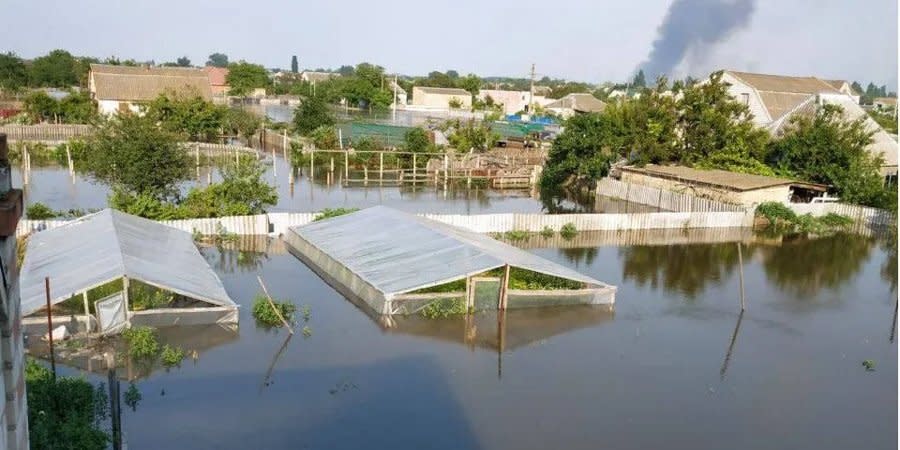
396,252
108,245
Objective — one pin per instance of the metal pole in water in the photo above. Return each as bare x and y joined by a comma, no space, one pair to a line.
50,328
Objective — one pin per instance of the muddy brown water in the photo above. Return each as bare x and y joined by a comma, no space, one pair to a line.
675,365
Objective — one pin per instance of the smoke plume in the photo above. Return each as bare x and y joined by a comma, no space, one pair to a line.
690,24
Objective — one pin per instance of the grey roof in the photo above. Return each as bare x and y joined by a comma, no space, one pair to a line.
144,83
578,102
108,245
396,252
442,91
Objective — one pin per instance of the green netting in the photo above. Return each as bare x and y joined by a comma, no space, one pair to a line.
387,135
516,130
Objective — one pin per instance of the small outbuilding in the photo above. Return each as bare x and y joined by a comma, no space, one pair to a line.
397,263
109,269
572,104
441,98
721,185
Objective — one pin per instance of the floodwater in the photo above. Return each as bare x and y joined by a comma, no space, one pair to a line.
53,186
675,366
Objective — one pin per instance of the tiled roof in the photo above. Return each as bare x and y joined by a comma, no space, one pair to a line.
578,102
217,75
782,83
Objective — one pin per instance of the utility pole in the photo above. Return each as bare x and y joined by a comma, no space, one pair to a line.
531,95
395,99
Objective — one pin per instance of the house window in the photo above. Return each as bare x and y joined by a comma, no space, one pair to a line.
745,98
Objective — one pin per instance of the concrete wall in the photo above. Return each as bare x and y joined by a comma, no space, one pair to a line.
747,198
438,101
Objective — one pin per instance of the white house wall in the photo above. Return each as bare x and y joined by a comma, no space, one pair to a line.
737,89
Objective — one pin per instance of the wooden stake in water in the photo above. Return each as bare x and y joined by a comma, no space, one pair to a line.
272,304
741,264
69,160
50,328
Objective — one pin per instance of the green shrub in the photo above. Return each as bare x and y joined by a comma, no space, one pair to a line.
444,308
267,316
547,232
40,211
171,356
515,235
776,212
328,213
133,396
66,414
836,221
453,286
307,332
568,231
142,342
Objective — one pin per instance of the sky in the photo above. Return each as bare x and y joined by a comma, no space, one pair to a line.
587,40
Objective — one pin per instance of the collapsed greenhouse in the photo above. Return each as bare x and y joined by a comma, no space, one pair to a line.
110,269
398,263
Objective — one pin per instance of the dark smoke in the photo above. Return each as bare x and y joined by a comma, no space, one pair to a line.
692,23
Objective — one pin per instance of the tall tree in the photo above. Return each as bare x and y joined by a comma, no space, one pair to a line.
217,60
295,66
639,80
187,114
346,71
56,69
183,61
313,113
13,75
244,77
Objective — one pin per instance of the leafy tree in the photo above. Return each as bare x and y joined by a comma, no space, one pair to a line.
244,77
416,140
471,83
56,69
584,150
217,60
77,107
241,122
830,150
295,66
41,107
639,80
188,114
452,74
183,61
325,137
472,135
312,113
13,74
241,192
711,122
132,153
346,71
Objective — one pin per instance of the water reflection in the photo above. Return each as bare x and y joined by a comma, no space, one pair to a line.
683,269
803,267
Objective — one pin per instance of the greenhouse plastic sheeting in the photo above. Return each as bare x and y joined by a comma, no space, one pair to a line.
395,252
108,245
111,313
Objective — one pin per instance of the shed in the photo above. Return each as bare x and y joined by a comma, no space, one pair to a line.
109,245
576,103
440,98
721,185
381,257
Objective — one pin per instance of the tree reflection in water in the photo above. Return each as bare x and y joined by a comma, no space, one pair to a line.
579,256
803,267
230,260
684,269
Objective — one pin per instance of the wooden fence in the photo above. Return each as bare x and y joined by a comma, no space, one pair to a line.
45,133
661,198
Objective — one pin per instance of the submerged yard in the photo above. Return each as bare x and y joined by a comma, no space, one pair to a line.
675,357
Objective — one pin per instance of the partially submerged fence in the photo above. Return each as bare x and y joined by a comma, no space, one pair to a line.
871,217
45,132
661,198
277,223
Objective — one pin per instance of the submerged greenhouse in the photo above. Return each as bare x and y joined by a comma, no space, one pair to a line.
109,269
398,263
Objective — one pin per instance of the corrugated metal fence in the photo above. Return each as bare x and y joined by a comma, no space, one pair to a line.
45,132
278,223
661,198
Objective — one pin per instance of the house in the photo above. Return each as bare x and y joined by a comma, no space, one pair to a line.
845,87
513,101
317,77
885,104
218,77
123,88
720,185
441,98
775,99
575,103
